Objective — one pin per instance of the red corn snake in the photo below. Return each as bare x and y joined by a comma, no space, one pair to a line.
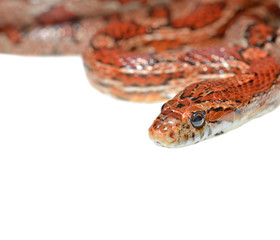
220,55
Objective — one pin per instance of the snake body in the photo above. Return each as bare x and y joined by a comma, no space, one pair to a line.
217,59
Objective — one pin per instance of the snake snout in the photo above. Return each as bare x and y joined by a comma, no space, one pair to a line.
164,131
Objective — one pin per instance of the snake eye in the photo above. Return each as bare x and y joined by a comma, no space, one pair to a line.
198,119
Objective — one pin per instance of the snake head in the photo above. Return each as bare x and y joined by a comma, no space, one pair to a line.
192,116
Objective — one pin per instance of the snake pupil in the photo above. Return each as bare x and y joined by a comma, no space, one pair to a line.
198,119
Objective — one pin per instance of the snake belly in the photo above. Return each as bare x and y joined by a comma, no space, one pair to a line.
217,60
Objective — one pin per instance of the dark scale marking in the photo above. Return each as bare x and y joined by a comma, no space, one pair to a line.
219,133
183,97
247,32
87,67
238,111
189,96
190,61
102,84
202,135
241,51
213,92
92,45
216,109
163,106
180,105
162,119
210,132
196,98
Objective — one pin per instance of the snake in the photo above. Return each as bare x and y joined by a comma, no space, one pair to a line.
215,63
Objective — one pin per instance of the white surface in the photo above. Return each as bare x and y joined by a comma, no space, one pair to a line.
75,164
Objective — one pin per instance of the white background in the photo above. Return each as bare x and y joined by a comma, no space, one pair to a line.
76,164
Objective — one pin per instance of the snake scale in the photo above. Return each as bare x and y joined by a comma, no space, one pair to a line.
218,61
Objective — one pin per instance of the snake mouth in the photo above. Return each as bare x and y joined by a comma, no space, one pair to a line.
182,138
164,141
176,142
175,138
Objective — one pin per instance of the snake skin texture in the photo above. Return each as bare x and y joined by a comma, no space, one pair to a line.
217,60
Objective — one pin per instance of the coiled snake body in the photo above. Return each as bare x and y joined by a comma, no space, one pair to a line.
220,58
